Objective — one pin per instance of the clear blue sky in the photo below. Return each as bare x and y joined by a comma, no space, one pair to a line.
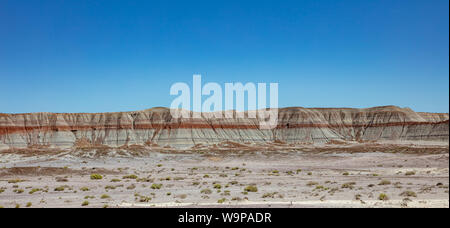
102,56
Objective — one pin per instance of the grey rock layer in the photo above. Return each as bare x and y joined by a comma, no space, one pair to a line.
157,127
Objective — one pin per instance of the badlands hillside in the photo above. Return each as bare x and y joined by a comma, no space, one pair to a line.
315,157
156,128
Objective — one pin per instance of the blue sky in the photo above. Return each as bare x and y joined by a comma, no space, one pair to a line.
103,56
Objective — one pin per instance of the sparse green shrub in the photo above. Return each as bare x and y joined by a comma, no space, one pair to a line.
85,203
105,196
383,197
251,188
96,176
221,200
60,189
156,186
131,176
110,187
269,195
349,185
217,186
34,190
319,187
144,199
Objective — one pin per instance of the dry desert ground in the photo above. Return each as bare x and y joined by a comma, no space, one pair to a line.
329,176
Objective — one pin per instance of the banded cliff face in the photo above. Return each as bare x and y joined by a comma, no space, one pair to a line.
156,126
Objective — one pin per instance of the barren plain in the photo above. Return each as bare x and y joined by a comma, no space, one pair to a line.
350,175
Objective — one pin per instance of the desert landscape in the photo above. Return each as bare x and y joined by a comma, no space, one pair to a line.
338,157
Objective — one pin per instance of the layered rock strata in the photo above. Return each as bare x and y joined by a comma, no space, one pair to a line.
157,127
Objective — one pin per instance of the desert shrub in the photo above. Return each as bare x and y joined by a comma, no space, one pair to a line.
115,180
251,188
96,176
269,195
384,182
318,187
110,187
28,204
60,189
346,174
206,191
383,197
408,194
410,173
131,176
217,186
105,196
156,186
15,181
165,179
221,200
85,203
34,190
84,189
349,185
311,183
144,199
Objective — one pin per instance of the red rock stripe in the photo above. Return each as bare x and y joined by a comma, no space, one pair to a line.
14,129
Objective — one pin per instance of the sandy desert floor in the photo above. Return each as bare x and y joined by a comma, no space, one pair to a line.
295,178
